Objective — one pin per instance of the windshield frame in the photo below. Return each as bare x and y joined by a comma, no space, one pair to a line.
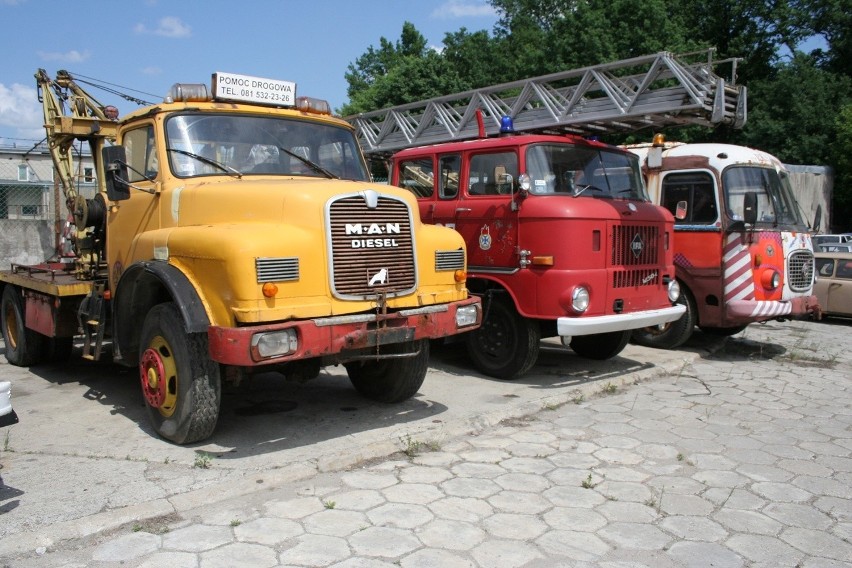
777,205
584,171
209,143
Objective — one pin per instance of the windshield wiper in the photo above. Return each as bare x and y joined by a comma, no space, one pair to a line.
310,163
225,168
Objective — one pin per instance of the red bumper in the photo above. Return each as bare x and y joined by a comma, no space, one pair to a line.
747,311
334,335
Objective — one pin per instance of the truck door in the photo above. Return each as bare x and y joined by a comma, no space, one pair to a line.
483,213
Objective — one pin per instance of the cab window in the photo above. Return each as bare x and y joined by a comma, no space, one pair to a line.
141,154
417,176
844,269
697,189
450,170
493,174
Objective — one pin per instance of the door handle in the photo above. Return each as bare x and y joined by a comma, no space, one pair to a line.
463,210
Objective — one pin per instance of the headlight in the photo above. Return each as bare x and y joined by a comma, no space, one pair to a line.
770,279
674,291
274,344
580,299
467,315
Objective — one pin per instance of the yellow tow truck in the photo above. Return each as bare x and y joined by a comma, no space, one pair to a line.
235,229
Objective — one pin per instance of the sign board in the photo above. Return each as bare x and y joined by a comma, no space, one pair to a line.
256,90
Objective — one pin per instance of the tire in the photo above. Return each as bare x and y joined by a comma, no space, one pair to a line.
391,380
506,345
601,346
722,331
672,334
24,346
181,386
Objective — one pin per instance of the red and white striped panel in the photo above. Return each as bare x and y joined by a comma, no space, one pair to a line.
739,278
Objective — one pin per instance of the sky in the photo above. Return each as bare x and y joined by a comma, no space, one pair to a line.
148,45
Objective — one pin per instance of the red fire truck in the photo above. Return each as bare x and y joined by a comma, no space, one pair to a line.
561,236
742,250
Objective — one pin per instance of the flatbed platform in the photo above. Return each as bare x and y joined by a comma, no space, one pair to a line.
54,279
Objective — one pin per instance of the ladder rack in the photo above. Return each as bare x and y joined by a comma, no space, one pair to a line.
652,91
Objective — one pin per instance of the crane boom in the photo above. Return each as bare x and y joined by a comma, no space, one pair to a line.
631,94
71,114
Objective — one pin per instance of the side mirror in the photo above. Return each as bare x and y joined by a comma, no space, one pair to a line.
115,173
681,210
817,219
750,208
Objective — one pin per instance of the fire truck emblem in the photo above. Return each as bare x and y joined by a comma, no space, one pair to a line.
770,250
485,238
380,277
636,245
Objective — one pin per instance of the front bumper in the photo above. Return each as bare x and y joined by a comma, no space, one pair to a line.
337,334
747,311
569,327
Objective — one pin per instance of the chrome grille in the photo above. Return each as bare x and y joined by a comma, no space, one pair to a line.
276,269
800,270
636,277
449,259
372,249
635,245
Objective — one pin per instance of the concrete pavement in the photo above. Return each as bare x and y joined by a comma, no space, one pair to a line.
734,452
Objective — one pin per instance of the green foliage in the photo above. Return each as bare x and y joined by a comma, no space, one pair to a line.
799,103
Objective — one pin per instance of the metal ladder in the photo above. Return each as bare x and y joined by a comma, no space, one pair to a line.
642,92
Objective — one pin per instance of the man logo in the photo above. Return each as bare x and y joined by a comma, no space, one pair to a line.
380,277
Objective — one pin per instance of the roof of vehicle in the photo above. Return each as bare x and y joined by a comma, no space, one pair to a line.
502,141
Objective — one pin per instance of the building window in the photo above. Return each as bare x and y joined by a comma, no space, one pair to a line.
23,172
30,210
88,176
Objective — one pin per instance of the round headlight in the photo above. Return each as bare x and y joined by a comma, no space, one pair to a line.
674,291
770,279
580,299
524,182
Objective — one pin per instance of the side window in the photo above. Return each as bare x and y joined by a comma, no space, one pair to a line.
417,176
141,153
824,266
698,190
493,174
844,269
450,169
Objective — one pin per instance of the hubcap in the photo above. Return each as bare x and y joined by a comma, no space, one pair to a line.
158,375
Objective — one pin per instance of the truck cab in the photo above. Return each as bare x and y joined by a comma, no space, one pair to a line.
742,250
562,241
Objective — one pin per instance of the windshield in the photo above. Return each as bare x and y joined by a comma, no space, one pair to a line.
202,144
576,170
775,202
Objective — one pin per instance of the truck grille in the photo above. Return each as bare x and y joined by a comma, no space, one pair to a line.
634,278
800,270
372,248
635,245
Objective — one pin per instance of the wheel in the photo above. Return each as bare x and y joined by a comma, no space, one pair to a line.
24,346
180,384
391,380
674,333
506,345
600,346
722,331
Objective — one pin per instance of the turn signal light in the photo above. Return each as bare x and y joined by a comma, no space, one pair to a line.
269,290
460,275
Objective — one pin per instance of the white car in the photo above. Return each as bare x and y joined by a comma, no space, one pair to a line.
7,414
